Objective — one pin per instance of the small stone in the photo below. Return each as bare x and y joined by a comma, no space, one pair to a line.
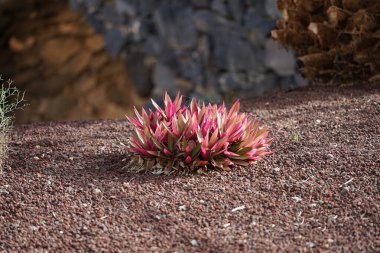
226,225
97,191
297,199
239,208
194,243
3,192
34,228
160,217
182,208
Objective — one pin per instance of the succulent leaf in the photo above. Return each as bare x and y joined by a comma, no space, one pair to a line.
199,135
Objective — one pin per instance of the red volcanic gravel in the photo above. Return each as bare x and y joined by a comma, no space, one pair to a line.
64,188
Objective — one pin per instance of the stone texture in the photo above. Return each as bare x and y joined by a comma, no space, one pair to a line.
201,3
256,37
18,45
110,14
98,60
52,87
84,84
65,69
77,64
271,9
189,68
94,43
215,48
140,73
125,8
163,78
208,22
114,41
229,81
200,41
59,50
258,18
174,25
219,7
279,60
237,9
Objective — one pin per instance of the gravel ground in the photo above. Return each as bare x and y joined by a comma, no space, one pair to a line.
64,188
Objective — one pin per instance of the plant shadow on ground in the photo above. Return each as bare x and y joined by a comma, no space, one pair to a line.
77,157
78,167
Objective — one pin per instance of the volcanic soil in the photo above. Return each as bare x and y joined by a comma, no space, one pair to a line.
65,187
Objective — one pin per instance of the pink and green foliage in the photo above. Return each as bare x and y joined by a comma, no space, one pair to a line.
199,135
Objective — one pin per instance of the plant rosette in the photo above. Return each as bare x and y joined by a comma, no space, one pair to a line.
194,138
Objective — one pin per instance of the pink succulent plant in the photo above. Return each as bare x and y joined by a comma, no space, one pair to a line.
198,135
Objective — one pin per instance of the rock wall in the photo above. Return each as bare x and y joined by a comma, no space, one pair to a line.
61,63
208,48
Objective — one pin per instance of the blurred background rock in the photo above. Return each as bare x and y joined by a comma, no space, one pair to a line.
95,59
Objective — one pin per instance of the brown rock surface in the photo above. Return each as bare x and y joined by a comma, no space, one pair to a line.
64,188
58,51
54,55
